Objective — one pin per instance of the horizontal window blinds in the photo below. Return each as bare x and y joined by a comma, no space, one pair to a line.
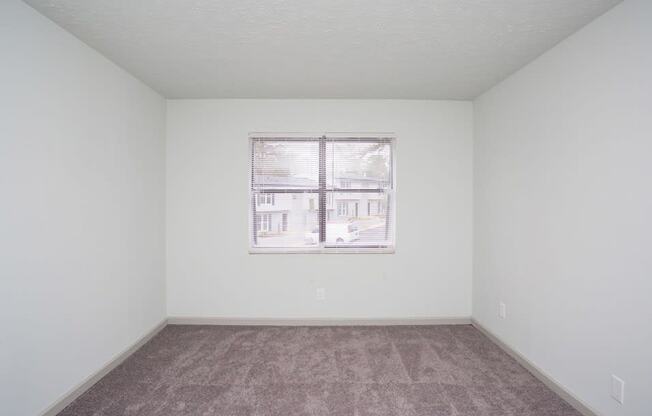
285,164
365,163
321,193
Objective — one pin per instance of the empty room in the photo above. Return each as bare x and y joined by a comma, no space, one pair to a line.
326,207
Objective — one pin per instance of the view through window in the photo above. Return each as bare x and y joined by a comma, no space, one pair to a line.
322,193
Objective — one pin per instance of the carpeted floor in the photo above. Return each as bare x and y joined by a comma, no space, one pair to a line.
402,370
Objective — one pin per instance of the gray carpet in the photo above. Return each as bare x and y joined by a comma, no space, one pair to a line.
358,371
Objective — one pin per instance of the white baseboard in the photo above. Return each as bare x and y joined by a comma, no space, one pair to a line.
81,388
194,320
537,372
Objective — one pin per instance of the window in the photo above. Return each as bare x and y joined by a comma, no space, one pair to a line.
264,222
322,194
342,208
265,199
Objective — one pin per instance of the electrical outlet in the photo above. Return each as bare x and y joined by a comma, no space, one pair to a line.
502,310
617,389
320,294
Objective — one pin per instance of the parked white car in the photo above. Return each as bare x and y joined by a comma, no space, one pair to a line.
336,233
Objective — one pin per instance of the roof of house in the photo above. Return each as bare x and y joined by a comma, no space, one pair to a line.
291,181
285,181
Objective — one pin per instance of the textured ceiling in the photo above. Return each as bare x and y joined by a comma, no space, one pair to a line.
439,49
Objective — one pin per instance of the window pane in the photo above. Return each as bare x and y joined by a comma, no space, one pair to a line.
358,165
285,164
358,219
286,220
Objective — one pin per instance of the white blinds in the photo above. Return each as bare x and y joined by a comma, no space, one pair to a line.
365,163
347,204
285,163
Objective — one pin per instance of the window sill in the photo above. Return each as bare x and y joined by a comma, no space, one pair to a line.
323,250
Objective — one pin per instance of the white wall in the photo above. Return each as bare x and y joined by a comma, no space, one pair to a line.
209,270
81,211
563,210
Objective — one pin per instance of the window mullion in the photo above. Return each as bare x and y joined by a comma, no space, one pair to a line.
322,190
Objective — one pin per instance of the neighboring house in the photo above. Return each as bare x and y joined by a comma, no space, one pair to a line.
280,212
355,205
275,212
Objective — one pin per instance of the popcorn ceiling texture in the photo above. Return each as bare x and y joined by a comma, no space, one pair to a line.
426,49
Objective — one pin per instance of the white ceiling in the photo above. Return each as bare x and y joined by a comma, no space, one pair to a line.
438,49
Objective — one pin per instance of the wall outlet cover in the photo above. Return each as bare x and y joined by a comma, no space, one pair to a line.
502,310
617,389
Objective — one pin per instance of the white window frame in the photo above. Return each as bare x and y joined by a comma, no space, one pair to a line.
342,208
265,219
265,199
323,247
